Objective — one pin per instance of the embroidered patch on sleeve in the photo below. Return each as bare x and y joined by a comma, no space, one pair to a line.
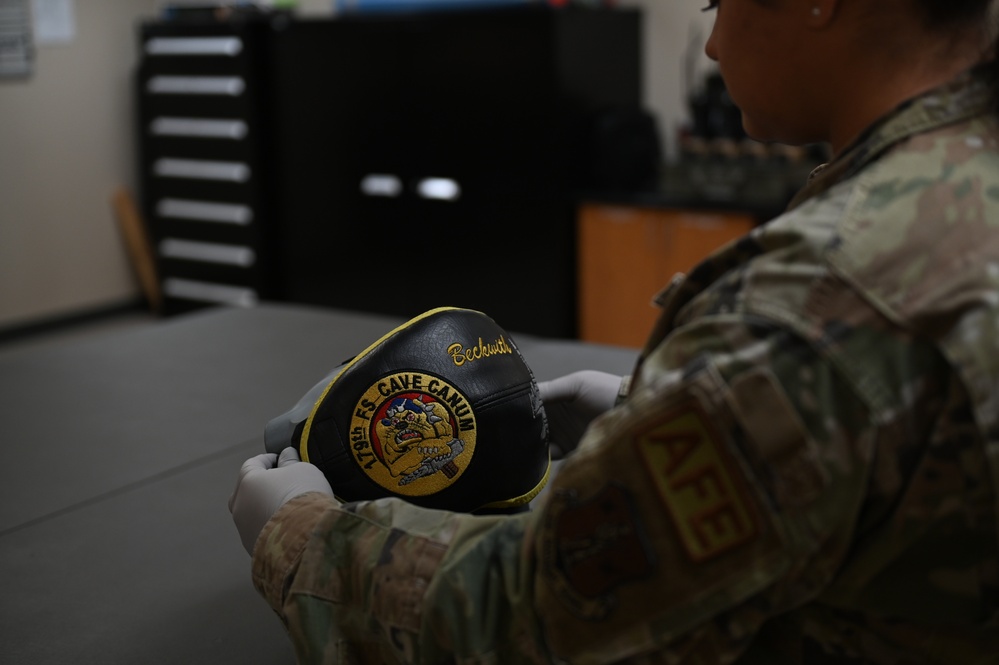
702,489
594,546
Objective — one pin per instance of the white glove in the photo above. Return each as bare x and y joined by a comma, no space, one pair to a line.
572,402
262,488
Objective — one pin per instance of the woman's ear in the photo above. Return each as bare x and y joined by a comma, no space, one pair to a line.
820,12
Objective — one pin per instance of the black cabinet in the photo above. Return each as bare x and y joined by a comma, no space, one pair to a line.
205,185
431,159
490,108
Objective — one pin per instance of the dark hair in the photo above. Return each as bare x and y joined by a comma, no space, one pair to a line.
951,12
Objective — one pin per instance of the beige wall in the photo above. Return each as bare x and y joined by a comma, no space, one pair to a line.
66,144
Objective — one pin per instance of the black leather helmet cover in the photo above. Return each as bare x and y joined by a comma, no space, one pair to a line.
443,411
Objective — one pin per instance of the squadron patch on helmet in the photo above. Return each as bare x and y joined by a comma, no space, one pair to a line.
698,481
412,433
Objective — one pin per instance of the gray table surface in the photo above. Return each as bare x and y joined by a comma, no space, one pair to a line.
116,545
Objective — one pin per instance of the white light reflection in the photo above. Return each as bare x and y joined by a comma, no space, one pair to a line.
441,189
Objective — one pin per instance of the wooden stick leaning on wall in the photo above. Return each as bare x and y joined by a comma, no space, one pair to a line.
140,249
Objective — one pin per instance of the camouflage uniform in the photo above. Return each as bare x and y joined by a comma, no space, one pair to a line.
804,471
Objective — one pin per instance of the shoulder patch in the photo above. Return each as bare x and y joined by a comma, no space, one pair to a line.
699,483
594,546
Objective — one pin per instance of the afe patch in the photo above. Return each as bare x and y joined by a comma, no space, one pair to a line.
594,546
412,433
698,482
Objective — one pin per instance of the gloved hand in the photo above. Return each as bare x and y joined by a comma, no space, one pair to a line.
262,488
572,402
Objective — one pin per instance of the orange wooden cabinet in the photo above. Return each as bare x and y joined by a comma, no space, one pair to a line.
628,254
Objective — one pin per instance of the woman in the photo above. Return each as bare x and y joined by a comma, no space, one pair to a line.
805,466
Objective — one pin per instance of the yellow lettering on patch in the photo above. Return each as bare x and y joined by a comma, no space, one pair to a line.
693,473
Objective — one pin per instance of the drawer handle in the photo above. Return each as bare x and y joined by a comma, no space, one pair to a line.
201,169
201,128
225,294
228,46
439,189
382,185
231,86
207,252
205,211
